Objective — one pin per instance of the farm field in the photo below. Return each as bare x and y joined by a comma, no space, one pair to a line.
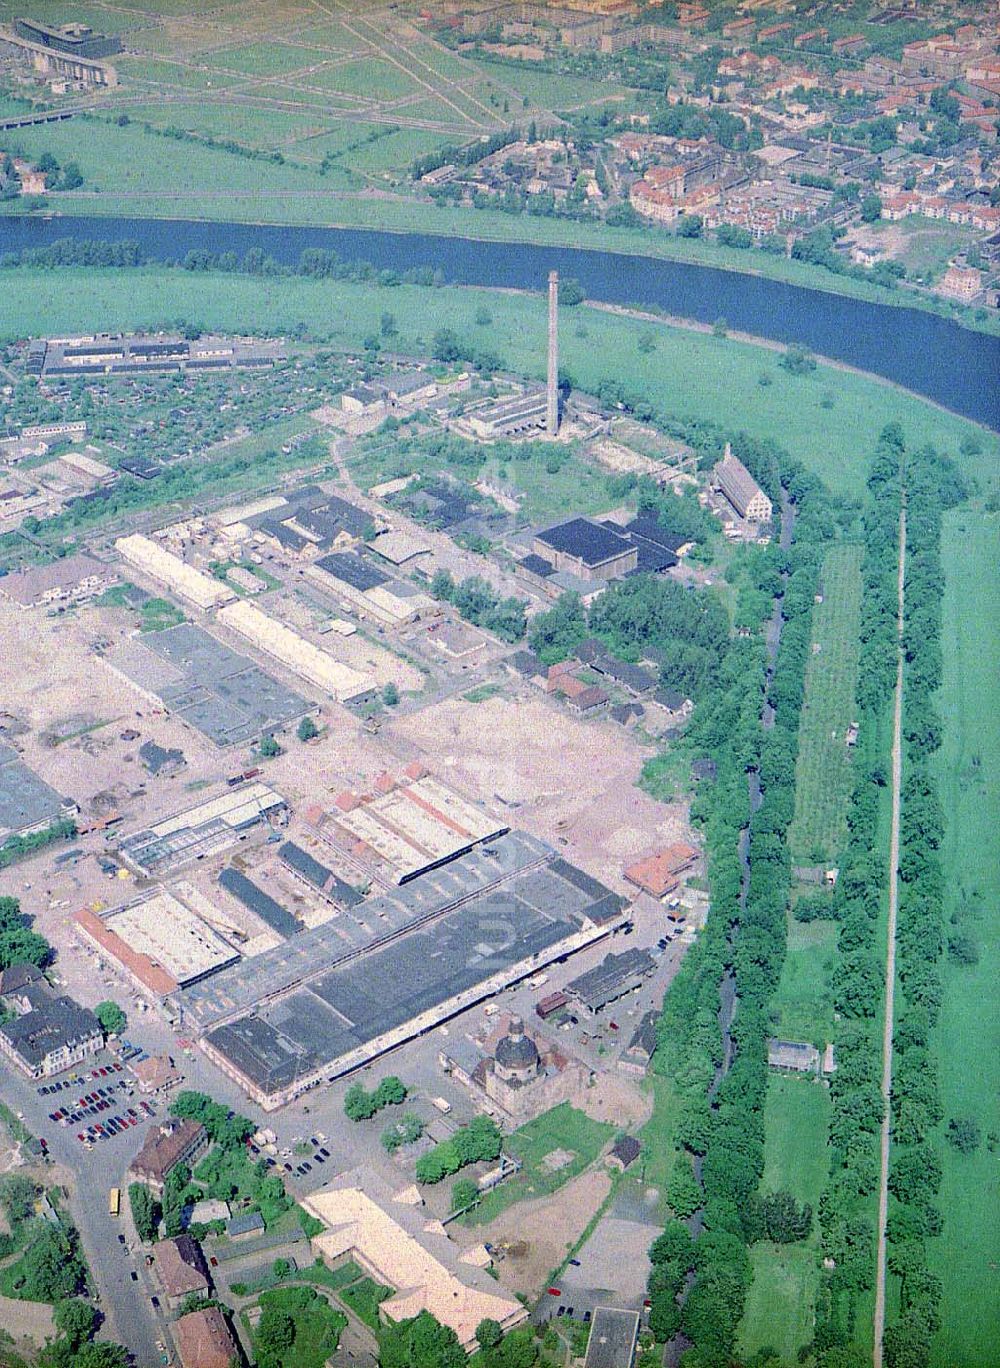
693,374
966,1256
782,1296
823,773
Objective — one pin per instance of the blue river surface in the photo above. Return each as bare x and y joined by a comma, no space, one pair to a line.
932,356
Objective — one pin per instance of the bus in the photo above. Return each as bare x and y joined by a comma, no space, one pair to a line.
114,1202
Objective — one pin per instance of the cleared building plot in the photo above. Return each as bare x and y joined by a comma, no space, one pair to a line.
205,829
197,590
160,942
297,654
219,692
27,803
333,998
410,826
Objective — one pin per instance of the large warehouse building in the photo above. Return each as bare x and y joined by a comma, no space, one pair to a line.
196,589
335,997
297,654
160,942
409,826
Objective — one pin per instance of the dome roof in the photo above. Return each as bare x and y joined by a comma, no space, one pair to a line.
516,1050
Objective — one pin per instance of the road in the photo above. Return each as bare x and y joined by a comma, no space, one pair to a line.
890,959
129,1316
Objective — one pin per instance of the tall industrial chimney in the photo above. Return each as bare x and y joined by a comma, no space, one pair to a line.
552,404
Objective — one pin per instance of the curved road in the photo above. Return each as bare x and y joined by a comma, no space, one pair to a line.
890,957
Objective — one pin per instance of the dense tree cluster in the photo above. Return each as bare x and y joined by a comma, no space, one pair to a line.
225,1127
479,1140
720,1115
361,1105
932,485
478,603
18,943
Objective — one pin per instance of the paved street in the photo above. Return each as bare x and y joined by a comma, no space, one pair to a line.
130,1318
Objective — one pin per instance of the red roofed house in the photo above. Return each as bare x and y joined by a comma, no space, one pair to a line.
658,874
181,1269
204,1340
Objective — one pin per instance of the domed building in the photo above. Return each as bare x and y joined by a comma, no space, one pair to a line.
516,1061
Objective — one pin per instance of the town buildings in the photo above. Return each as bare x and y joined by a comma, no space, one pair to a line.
50,1033
165,1146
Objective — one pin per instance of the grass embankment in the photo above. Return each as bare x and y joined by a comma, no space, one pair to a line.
966,1256
129,171
779,1309
694,375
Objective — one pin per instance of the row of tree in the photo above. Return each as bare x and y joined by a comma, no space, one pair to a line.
719,1126
931,487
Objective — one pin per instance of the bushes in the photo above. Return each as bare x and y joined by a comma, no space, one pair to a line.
479,1140
145,1211
360,1105
476,601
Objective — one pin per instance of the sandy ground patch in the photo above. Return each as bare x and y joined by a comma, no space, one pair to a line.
27,1320
571,782
541,1232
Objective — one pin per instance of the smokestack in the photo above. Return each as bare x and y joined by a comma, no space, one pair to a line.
552,405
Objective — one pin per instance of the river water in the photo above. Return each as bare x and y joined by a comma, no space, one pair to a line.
932,356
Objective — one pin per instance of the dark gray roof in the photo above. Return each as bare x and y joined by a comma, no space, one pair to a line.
352,570
18,976
645,1037
318,875
259,902
525,663
670,698
591,542
244,1223
156,758
614,976
26,800
53,1024
537,566
648,527
626,1150
516,1050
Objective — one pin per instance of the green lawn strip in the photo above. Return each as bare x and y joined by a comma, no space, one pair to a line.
318,1326
364,1297
779,1308
966,1256
803,1004
562,1128
823,772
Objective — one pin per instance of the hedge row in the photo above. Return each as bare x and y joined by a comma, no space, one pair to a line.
750,728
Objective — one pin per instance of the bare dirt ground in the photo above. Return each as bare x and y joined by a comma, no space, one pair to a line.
27,1321
541,1232
617,1102
574,785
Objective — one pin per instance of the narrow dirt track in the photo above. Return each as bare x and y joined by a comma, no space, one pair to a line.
890,959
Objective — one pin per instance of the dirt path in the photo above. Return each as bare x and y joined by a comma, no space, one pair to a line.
890,958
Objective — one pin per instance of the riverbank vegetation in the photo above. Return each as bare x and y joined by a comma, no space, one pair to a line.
697,377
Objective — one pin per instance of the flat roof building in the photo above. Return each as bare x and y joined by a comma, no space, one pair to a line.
220,693
615,976
27,803
205,829
159,941
587,549
389,1235
412,825
342,993
197,590
297,654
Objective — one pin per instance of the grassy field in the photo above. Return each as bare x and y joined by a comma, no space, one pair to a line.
780,1304
803,1003
966,1257
562,1128
823,774
693,374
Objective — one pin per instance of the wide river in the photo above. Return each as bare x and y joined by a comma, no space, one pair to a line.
932,356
